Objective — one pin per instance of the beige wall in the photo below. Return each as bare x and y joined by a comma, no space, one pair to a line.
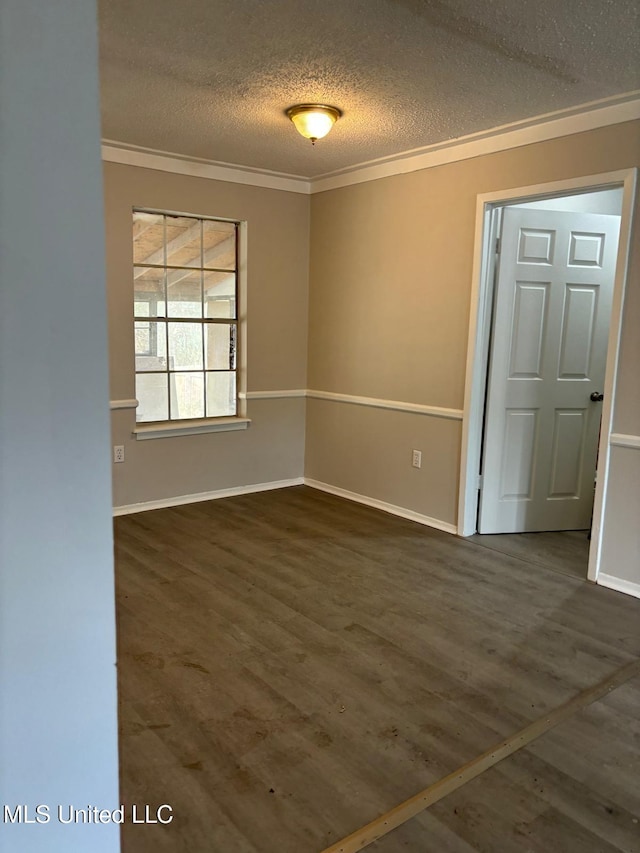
621,540
626,417
621,533
390,283
387,313
278,249
365,448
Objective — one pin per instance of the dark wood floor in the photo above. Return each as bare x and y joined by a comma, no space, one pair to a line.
569,791
565,551
291,665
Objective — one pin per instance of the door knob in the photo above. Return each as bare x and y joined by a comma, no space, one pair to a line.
596,397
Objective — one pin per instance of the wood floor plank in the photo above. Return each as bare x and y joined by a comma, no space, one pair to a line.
298,663
566,551
555,798
461,777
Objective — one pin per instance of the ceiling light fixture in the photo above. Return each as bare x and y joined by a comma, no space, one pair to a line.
313,121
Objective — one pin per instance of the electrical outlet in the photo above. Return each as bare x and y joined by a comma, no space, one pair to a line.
118,452
416,459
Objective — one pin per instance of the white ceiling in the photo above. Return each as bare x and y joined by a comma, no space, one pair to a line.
212,78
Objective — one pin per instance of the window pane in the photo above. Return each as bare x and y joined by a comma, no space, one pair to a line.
148,292
152,394
151,346
220,347
185,346
184,241
148,238
184,273
143,339
187,395
219,242
220,295
184,289
221,394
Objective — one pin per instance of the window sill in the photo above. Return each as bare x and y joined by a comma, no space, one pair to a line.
169,429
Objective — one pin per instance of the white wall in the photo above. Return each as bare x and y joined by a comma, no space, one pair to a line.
58,726
603,201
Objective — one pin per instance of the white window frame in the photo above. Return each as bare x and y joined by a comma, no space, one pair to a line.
193,426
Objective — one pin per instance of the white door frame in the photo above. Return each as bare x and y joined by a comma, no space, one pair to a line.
480,329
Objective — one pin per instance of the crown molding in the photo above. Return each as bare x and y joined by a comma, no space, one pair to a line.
542,128
589,116
164,161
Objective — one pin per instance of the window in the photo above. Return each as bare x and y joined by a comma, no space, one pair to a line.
185,315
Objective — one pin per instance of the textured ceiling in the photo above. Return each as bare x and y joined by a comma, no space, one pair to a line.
212,78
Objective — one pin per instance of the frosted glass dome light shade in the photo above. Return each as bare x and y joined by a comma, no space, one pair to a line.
313,121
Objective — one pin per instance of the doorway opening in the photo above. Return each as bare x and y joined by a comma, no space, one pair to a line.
549,277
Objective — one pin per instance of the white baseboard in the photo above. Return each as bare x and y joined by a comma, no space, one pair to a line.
620,585
383,505
179,500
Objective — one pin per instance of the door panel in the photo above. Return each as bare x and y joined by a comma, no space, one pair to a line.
548,350
529,321
568,446
536,246
519,454
586,250
578,332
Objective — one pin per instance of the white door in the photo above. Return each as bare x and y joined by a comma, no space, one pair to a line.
548,351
